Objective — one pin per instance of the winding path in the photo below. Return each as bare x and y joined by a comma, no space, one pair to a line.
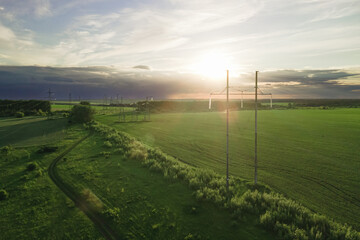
94,216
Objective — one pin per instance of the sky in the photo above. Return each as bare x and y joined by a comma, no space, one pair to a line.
179,49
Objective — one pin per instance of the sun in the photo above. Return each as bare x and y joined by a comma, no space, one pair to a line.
212,64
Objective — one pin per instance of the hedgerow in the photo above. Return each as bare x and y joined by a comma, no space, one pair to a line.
285,217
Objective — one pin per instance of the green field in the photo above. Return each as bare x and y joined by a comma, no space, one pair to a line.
36,208
146,204
312,156
99,109
151,206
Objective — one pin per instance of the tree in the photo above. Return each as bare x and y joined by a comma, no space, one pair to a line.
6,150
82,113
85,103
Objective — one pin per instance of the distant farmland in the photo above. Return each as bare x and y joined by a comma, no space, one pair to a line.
312,156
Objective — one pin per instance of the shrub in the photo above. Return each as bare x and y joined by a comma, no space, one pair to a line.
137,152
105,154
3,194
19,114
47,149
31,166
6,150
84,103
82,113
40,113
108,144
113,214
38,173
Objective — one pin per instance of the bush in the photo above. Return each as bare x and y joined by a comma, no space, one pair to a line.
105,154
38,173
137,154
82,113
19,114
108,144
113,214
6,150
40,113
85,103
47,149
3,194
32,166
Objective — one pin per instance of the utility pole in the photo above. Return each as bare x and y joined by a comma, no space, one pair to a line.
256,90
50,93
227,130
210,103
242,99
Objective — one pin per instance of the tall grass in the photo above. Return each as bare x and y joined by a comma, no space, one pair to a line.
285,217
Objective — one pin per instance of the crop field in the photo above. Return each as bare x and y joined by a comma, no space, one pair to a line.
311,156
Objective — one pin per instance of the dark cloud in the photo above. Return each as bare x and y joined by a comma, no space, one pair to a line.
142,67
92,82
95,82
58,79
324,83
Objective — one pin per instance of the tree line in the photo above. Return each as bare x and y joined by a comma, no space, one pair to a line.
27,107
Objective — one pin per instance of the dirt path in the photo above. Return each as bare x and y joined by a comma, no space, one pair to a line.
95,217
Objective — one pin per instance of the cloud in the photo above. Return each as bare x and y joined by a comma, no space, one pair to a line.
173,34
92,82
142,67
6,33
130,33
95,82
42,8
34,8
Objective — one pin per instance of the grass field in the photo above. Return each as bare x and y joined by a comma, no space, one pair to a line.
36,208
311,156
98,109
147,205
150,206
30,131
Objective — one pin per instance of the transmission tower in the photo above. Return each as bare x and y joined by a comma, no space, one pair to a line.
50,95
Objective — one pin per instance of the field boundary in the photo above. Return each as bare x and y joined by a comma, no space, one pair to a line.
94,216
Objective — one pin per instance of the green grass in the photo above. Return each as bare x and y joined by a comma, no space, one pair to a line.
98,109
36,208
311,156
30,131
150,206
